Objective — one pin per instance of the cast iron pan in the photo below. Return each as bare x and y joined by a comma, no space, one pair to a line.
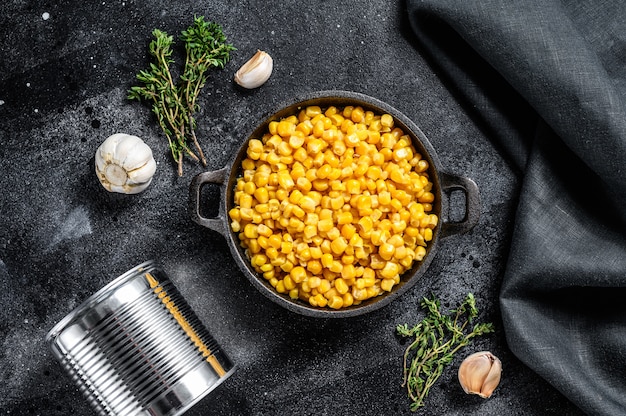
443,185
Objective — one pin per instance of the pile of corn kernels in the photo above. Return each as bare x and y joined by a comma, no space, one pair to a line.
333,205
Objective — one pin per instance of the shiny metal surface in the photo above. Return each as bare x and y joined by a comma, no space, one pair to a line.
136,348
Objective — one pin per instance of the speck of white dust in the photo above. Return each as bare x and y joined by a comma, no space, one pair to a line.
45,16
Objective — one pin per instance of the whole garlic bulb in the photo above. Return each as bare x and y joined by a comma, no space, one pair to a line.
480,374
124,164
256,71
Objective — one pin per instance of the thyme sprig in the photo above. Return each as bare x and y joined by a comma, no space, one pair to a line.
437,338
174,103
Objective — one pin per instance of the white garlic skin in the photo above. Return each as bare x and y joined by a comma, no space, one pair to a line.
124,164
480,374
256,71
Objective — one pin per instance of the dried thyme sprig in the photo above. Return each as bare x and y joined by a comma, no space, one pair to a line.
437,338
175,103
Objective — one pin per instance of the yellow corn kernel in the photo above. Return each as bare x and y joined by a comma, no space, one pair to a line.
373,291
298,274
249,188
341,286
366,224
288,283
396,240
325,246
356,240
314,266
348,231
335,302
285,128
312,111
357,114
325,286
287,266
305,288
400,252
286,247
368,280
308,204
390,270
348,271
353,186
285,180
359,283
333,234
387,284
344,218
325,225
296,140
280,286
263,230
398,226
323,171
234,214
258,260
250,231
255,145
318,128
338,245
330,135
300,154
320,300
422,166
271,253
336,266
294,293
348,300
327,260
359,294
246,213
314,282
386,120
420,252
426,197
316,252
245,201
310,231
303,184
332,110
386,251
320,184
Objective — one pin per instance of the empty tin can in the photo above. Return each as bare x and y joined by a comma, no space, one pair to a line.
136,348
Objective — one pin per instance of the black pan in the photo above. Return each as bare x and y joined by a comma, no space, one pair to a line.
443,185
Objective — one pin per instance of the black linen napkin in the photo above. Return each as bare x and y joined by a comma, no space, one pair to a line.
548,78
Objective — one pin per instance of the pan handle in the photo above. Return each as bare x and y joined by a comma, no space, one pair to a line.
451,183
210,177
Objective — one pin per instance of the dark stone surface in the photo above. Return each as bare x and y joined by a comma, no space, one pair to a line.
63,82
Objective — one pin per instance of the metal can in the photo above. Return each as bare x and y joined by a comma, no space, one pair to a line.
135,347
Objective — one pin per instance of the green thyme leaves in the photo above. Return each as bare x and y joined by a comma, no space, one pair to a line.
174,102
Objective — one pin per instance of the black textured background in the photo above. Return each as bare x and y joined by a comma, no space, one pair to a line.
63,82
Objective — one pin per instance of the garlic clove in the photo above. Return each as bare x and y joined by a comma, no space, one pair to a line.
143,173
256,71
480,374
